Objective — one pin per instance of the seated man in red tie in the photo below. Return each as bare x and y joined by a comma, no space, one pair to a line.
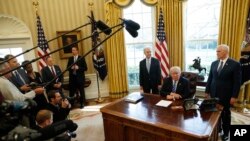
175,86
50,72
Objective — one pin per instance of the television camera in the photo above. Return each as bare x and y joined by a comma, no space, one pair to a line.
12,127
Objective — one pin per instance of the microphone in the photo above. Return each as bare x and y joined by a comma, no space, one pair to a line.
131,31
57,128
101,25
133,25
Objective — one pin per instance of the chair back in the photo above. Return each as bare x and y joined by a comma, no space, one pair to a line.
239,104
247,93
192,77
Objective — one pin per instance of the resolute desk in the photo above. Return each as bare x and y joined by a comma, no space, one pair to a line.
144,121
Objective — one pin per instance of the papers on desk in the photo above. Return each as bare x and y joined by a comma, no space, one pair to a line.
163,103
134,97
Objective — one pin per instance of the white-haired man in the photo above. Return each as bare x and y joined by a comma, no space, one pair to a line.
224,83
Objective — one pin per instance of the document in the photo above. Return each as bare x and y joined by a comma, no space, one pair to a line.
164,103
134,97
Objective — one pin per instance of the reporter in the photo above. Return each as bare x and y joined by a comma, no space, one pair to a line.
9,90
35,78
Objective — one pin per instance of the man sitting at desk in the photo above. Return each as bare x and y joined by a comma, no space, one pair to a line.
175,86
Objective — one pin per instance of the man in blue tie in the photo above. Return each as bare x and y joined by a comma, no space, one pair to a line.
175,86
19,77
224,83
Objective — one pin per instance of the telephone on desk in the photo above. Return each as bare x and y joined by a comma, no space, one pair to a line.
204,105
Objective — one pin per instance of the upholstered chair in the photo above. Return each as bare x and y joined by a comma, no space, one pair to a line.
247,94
192,77
239,104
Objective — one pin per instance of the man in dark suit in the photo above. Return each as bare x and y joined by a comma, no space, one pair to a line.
77,75
50,72
224,83
150,73
175,86
19,77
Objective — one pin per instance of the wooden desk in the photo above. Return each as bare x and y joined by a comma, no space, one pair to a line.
145,121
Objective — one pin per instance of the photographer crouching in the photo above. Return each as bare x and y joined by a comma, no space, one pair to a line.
60,107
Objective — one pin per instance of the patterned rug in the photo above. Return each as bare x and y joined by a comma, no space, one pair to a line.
90,123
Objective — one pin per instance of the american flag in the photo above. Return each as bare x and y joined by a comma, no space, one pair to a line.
161,48
43,46
98,54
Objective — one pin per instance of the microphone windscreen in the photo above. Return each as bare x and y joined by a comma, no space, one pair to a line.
103,27
57,128
131,31
131,24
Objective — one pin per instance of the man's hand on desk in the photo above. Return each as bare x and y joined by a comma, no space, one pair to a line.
173,96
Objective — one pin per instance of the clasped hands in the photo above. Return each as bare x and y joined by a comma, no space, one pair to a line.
173,96
75,67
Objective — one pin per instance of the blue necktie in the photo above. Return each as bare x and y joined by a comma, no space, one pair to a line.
220,67
19,79
174,87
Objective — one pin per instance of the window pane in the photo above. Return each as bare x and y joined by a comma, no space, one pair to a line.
202,27
13,51
141,14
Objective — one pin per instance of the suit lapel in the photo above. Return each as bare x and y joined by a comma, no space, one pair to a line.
225,67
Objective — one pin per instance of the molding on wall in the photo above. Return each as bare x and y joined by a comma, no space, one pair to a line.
11,27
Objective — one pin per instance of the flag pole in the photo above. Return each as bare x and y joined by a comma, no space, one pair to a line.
94,42
99,99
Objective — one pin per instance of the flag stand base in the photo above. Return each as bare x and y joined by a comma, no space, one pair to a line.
99,100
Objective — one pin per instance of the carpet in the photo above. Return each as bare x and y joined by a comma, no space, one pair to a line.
90,123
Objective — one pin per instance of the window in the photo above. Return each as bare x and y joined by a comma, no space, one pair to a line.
201,32
14,51
143,15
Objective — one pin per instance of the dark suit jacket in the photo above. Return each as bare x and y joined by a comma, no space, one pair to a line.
80,75
48,76
153,78
225,85
59,113
182,87
23,75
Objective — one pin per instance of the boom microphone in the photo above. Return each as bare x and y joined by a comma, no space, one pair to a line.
131,31
102,26
133,25
57,128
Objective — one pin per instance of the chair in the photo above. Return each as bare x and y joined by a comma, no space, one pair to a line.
247,93
239,104
192,77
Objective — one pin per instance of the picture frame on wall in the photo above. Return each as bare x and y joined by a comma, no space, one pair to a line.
67,40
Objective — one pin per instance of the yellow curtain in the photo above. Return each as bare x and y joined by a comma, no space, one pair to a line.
173,18
116,54
233,19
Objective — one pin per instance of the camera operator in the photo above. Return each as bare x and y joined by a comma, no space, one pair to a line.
59,106
44,118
